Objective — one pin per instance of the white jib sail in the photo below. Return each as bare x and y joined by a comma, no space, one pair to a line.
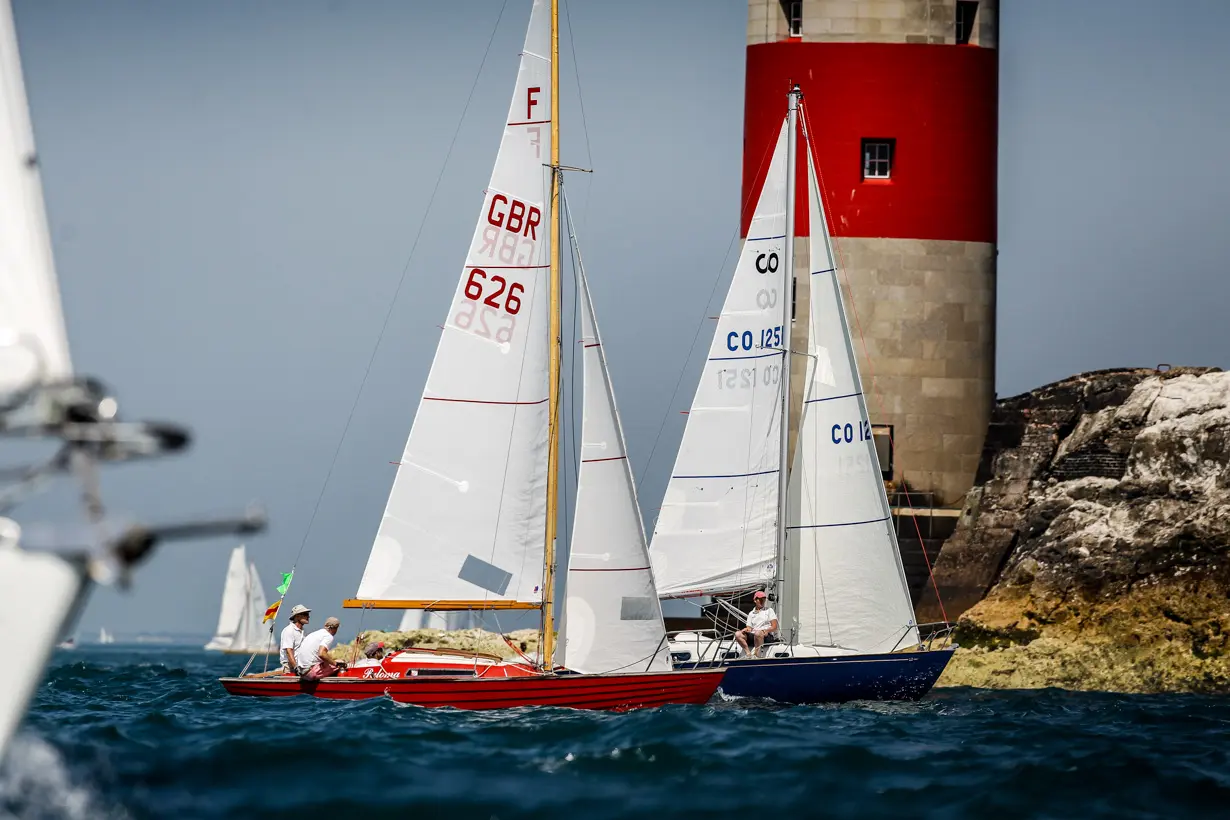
38,592
33,344
467,513
234,603
717,529
612,611
851,588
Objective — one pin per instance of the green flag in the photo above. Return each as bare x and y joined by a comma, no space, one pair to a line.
285,585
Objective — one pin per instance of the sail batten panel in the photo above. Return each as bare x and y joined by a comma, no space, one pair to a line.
467,512
717,528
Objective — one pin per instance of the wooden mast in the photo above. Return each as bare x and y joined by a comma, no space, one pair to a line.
553,414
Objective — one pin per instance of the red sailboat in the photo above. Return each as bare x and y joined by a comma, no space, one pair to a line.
470,522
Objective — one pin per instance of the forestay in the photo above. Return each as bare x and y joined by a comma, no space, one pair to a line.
717,529
33,344
466,516
614,620
847,580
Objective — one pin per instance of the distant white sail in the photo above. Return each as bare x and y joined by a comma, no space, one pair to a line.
466,517
38,592
448,621
240,627
234,602
718,527
105,637
256,635
614,620
847,587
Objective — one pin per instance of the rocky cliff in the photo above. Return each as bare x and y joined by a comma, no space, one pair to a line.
1093,552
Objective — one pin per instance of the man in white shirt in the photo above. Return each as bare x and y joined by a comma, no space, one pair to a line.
761,623
292,638
315,648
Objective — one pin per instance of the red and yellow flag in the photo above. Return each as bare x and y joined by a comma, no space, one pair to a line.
271,612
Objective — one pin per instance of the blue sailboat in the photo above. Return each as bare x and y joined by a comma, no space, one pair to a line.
817,538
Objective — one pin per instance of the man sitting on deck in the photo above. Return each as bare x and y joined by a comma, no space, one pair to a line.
761,626
314,660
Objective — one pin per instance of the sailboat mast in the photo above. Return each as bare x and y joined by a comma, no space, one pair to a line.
783,474
553,414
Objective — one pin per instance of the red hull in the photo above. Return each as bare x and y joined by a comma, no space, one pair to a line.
606,692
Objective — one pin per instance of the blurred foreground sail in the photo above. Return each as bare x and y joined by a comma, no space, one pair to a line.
42,590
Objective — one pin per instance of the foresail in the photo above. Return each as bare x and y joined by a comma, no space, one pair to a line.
614,620
717,529
256,633
234,601
848,580
466,517
33,343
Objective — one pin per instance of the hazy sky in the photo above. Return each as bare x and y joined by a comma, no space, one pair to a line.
234,190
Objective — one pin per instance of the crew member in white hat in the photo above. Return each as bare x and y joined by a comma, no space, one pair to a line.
292,637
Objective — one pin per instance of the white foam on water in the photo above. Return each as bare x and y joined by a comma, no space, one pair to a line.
35,784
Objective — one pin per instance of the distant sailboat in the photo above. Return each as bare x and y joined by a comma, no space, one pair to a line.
105,637
240,630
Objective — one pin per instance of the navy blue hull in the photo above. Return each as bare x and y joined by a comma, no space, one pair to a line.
897,676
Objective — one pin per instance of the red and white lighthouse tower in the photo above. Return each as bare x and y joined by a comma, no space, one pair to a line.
902,104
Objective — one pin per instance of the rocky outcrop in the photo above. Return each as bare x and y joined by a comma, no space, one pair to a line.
1095,551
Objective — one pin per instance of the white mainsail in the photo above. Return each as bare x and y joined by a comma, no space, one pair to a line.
466,516
234,602
613,617
38,592
846,586
718,527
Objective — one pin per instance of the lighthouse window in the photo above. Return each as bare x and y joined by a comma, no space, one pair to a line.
966,11
793,9
882,435
878,158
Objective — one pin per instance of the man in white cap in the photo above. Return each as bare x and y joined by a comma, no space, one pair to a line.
292,638
314,653
761,623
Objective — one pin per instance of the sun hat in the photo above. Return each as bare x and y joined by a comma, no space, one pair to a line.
298,609
332,621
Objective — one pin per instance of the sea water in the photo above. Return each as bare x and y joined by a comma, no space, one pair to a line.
135,732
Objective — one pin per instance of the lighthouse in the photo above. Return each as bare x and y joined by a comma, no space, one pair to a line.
902,106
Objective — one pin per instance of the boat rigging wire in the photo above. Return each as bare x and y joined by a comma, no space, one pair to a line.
392,303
